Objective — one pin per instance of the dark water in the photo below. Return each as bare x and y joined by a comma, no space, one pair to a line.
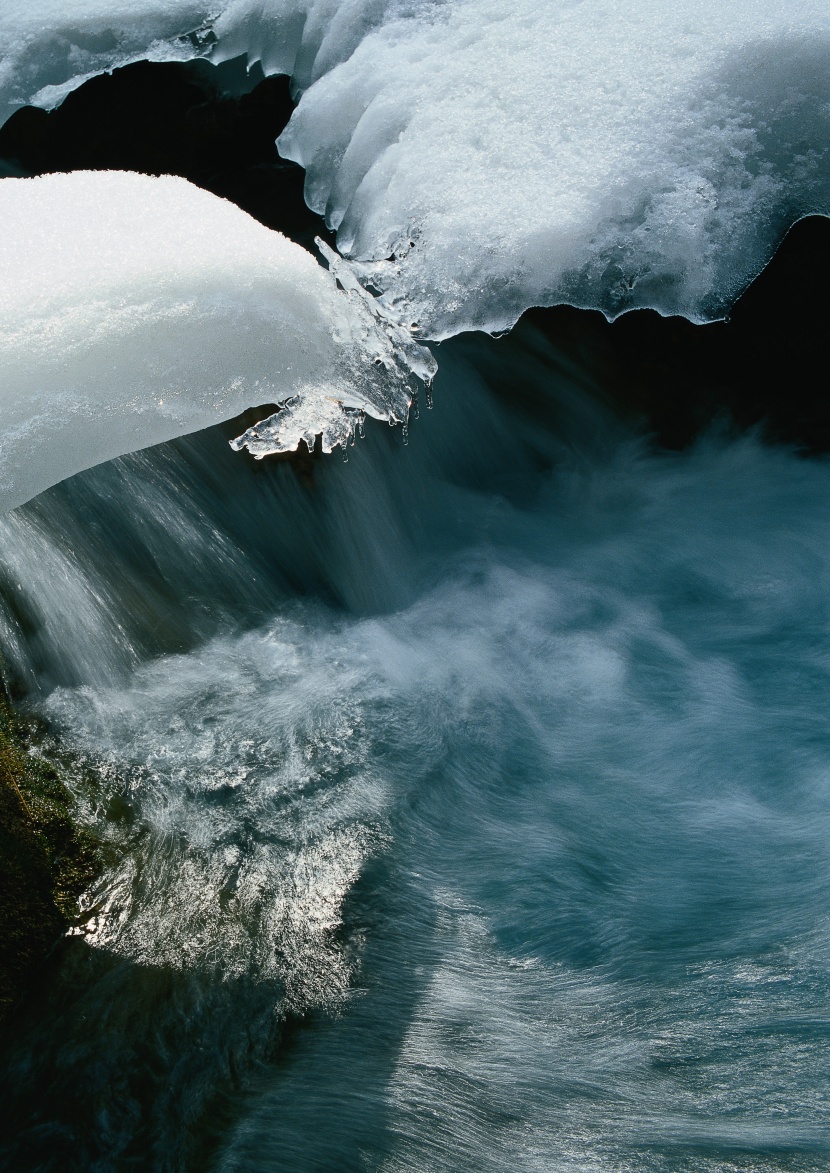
469,802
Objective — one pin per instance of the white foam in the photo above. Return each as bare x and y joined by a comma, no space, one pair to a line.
135,309
533,151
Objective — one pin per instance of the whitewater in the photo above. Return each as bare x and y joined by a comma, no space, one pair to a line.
466,801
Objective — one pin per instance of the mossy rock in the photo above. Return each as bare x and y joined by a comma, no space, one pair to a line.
47,859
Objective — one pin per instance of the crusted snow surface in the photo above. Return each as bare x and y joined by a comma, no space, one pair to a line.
610,155
134,309
481,156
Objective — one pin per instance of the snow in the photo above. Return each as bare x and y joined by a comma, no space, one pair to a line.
482,156
134,309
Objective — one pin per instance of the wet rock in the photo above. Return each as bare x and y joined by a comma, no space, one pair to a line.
46,860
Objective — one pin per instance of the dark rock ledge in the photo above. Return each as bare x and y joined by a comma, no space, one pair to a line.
47,859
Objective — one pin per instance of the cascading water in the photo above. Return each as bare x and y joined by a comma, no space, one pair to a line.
465,805
467,802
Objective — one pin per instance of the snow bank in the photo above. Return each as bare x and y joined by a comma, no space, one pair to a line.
505,153
135,309
604,154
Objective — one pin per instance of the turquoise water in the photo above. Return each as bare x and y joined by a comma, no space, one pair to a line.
469,801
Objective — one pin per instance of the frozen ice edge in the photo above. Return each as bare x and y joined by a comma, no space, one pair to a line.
302,421
134,309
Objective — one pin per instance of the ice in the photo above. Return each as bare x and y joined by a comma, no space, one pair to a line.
481,156
542,151
49,46
134,309
299,420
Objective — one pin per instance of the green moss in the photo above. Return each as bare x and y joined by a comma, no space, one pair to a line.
47,859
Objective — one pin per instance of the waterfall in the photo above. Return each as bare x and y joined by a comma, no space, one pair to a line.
460,787
466,800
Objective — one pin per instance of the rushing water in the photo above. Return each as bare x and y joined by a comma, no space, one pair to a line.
468,802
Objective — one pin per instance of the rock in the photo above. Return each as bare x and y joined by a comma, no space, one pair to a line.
46,861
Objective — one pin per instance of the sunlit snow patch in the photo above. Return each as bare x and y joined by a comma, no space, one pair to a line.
135,309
